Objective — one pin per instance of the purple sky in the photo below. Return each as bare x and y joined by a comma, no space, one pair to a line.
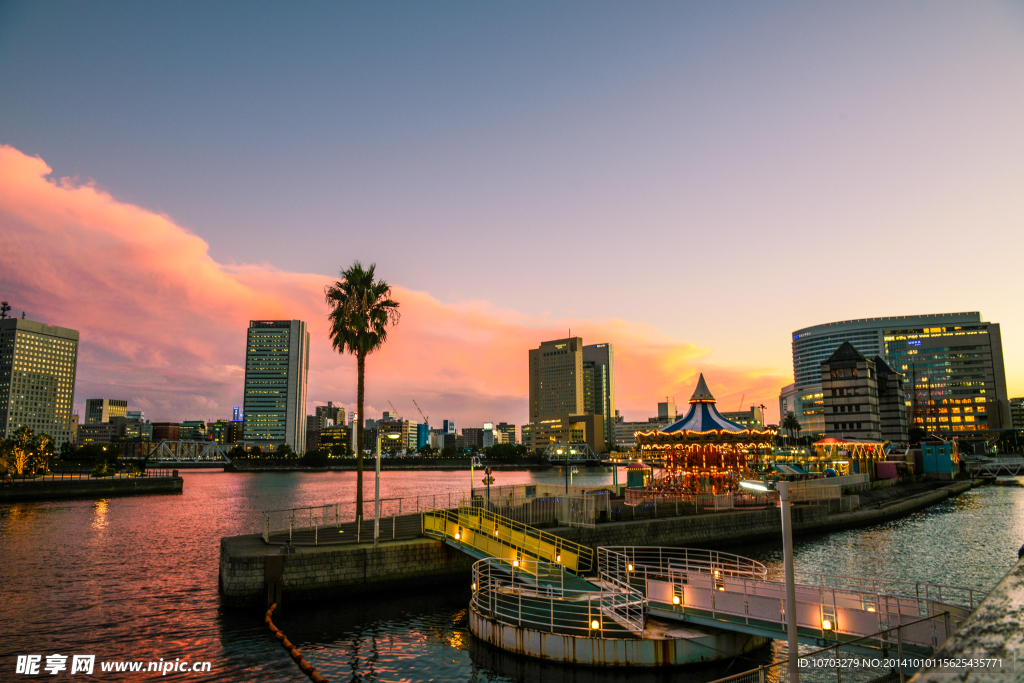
712,175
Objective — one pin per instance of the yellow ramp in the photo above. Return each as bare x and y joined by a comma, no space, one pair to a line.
493,535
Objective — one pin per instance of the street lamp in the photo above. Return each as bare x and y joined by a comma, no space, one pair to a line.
376,490
787,560
474,462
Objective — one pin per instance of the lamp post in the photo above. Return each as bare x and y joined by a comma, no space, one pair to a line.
559,453
376,491
787,560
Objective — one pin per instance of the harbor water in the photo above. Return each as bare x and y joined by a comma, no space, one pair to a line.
135,579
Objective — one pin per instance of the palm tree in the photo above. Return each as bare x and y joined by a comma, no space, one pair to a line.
791,424
360,313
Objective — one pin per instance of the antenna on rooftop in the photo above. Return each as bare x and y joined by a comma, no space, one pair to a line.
4,307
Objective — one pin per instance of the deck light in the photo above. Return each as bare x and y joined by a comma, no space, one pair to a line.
871,609
495,531
676,600
629,567
458,533
558,557
515,563
472,586
826,625
595,624
755,485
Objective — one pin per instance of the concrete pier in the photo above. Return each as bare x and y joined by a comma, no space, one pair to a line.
993,634
88,488
312,573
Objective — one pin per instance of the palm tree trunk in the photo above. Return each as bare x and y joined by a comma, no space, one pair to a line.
360,373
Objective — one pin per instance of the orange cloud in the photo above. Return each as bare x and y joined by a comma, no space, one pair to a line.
163,325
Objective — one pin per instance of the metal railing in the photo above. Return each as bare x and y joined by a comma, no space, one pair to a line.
703,501
539,600
625,563
505,538
333,514
83,476
833,664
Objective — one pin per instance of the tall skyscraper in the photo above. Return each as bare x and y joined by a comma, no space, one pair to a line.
99,410
38,363
556,379
276,371
599,385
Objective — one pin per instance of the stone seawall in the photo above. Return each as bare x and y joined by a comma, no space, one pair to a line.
88,488
315,572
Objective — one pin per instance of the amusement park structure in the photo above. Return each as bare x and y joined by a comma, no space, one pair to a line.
702,452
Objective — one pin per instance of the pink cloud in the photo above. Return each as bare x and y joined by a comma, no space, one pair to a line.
163,324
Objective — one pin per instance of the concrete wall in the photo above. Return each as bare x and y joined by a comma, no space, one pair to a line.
312,573
87,488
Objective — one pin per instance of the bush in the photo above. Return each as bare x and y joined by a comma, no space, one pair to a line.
314,459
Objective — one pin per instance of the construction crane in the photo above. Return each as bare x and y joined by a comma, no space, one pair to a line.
426,420
394,409
737,410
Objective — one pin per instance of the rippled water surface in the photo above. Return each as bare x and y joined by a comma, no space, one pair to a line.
136,579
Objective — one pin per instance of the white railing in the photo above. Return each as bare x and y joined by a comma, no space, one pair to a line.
538,600
573,510
706,501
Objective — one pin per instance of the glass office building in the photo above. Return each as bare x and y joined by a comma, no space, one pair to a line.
276,372
952,364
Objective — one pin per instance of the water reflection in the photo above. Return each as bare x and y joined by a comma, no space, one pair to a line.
137,578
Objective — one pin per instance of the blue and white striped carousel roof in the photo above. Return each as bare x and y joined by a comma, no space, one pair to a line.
703,416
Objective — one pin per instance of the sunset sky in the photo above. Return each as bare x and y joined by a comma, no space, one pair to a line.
688,181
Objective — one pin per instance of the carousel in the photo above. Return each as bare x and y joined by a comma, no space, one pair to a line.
702,452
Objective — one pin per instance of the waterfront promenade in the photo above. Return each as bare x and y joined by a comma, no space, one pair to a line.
310,573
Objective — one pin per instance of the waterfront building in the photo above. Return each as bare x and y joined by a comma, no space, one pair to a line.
1017,412
192,430
422,435
104,432
276,372
749,419
584,428
100,410
166,431
38,363
474,437
807,405
132,428
508,432
227,431
703,452
863,399
406,430
328,412
948,360
599,385
328,437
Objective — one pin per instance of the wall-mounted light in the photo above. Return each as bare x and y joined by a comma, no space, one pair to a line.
826,625
871,609
676,600
515,563
472,586
629,567
595,624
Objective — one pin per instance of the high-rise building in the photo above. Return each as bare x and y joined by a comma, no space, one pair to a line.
100,410
236,413
599,385
948,360
38,363
750,419
1017,412
448,427
328,412
556,379
508,432
276,371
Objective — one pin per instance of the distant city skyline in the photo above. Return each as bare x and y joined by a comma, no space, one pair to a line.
687,182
